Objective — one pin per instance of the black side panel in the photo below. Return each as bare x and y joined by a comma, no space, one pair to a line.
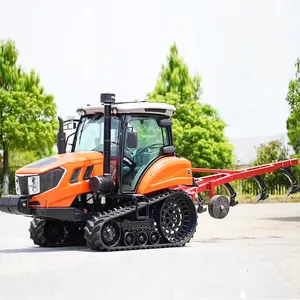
75,175
88,172
66,214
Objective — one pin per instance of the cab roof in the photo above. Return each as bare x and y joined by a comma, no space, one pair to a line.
130,108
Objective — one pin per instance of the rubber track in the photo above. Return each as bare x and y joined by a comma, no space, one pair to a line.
122,211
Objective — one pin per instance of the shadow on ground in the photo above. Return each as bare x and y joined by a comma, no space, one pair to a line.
283,219
218,240
41,250
86,249
73,248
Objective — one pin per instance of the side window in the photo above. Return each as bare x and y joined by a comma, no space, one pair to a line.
148,132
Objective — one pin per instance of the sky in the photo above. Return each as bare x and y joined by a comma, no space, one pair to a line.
244,51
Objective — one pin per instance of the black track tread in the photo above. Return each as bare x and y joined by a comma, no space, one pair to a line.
36,230
93,226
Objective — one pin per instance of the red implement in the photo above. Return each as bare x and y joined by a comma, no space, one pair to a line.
224,177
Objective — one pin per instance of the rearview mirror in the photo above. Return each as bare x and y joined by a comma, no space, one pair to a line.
131,139
165,122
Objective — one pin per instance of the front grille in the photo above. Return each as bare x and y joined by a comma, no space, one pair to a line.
51,179
48,181
23,185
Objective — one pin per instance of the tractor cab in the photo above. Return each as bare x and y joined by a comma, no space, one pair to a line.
137,135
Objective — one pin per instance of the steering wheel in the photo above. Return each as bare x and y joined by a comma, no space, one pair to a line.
113,142
145,148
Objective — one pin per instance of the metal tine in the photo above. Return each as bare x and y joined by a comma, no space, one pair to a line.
263,189
294,188
232,193
201,208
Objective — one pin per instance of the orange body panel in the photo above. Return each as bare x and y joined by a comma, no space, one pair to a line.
64,194
166,172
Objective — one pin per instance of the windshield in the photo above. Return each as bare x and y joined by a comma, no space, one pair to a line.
90,134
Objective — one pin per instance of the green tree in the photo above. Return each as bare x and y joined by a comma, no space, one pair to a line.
28,120
197,127
268,153
293,99
18,159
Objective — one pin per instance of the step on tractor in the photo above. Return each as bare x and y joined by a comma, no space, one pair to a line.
122,185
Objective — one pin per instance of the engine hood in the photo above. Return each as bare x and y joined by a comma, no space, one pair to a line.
52,162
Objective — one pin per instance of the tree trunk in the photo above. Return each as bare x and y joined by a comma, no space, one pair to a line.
5,173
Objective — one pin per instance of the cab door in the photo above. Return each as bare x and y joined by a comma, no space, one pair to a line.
143,143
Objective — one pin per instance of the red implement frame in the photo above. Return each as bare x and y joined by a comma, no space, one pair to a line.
226,176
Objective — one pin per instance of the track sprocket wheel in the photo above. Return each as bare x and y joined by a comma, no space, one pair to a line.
177,218
101,235
47,233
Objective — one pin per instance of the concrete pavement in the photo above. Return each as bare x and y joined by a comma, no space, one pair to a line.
254,253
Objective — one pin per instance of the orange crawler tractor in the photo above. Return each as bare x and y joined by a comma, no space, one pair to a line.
123,186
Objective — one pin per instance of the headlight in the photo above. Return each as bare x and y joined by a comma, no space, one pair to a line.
17,185
33,185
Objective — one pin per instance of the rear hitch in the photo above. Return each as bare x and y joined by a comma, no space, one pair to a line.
294,188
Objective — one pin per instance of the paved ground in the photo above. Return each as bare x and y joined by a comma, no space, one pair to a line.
252,254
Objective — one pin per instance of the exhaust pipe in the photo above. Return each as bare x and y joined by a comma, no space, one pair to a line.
61,137
107,100
105,183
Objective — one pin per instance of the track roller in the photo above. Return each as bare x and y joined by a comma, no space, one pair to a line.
154,237
218,207
129,238
141,238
